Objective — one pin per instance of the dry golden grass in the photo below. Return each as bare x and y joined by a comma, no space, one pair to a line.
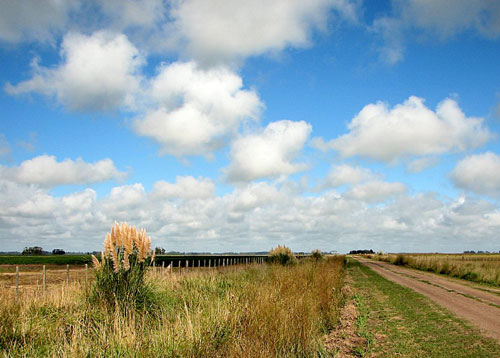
244,311
474,267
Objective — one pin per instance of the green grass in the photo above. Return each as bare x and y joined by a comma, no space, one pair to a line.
398,322
45,260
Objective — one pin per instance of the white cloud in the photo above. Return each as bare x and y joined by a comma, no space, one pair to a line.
345,174
123,14
34,19
222,31
185,187
45,170
196,109
410,129
418,165
97,72
444,19
479,173
255,195
269,153
256,216
375,191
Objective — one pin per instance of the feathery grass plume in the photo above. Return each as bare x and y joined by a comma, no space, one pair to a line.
120,274
96,262
282,255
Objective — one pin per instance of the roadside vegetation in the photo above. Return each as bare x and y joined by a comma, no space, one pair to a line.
482,268
252,310
398,322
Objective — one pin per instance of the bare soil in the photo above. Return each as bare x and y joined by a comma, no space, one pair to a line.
478,305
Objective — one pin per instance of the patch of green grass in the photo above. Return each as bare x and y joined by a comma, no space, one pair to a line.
405,323
45,260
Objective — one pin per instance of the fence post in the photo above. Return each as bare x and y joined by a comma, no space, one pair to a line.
86,275
67,276
187,265
17,282
44,284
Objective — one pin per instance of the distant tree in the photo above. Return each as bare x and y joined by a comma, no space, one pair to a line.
58,252
159,251
361,252
35,250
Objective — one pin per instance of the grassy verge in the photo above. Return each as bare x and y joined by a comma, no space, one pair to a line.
471,267
400,322
258,311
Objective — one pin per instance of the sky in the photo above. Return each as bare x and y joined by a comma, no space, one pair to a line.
241,125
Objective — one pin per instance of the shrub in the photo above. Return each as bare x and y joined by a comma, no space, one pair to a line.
400,260
282,255
316,254
120,273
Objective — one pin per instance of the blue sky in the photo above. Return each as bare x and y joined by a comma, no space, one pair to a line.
330,124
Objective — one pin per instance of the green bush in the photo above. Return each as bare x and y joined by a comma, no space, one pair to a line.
282,255
120,275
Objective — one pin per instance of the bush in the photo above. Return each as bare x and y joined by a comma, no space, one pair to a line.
282,255
316,254
120,273
400,260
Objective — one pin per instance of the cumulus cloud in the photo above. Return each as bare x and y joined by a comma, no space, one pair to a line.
270,153
97,72
185,187
255,216
479,173
196,109
221,31
346,174
375,191
46,171
410,129
34,19
444,19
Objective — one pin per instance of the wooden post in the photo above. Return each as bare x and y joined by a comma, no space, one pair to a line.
17,282
86,275
44,285
67,276
187,265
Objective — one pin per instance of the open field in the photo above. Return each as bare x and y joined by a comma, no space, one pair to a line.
484,268
396,321
240,311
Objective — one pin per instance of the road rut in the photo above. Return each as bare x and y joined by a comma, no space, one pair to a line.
480,306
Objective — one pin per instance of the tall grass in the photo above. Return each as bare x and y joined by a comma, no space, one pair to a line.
120,273
472,267
281,255
254,311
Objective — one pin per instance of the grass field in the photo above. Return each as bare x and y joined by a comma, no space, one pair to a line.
398,322
240,311
483,268
45,260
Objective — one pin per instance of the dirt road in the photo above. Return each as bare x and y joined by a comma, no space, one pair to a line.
477,304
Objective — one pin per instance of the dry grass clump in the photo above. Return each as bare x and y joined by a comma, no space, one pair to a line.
472,267
120,273
282,255
253,311
316,254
